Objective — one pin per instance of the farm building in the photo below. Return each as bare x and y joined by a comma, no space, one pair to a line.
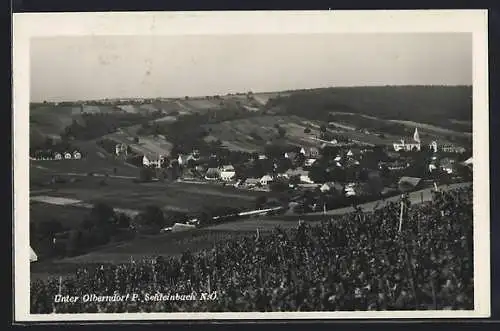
409,183
58,156
212,174
290,155
77,155
67,156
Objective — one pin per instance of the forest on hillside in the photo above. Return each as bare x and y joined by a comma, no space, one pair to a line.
438,105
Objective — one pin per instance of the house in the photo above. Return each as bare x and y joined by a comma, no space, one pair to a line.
227,175
152,160
77,155
394,165
33,256
290,155
212,174
227,167
67,156
312,152
349,190
308,186
265,180
468,162
227,172
330,186
409,183
251,182
185,159
433,146
448,165
296,172
306,179
452,149
309,162
121,149
57,156
262,157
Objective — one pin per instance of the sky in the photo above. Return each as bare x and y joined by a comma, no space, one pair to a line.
98,67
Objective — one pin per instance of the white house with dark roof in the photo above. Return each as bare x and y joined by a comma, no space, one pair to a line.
58,156
265,180
67,156
77,155
227,172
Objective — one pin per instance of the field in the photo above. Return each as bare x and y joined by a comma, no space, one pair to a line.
124,193
51,120
70,216
148,145
433,129
237,134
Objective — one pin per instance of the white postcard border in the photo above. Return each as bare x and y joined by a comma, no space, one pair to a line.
30,25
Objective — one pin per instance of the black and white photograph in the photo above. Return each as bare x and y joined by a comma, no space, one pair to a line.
273,165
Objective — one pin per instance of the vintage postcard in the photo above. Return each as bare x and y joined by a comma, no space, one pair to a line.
251,165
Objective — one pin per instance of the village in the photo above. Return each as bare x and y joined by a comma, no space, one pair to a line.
351,170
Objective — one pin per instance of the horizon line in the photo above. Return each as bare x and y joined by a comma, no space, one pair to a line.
254,92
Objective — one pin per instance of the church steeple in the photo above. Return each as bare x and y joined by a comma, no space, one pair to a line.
416,136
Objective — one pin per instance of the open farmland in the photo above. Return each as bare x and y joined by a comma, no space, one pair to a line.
125,194
69,216
51,120
242,134
393,130
147,145
201,104
433,128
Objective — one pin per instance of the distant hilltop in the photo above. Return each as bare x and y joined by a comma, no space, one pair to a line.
282,92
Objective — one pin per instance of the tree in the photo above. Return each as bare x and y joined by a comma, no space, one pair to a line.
281,132
260,201
102,215
136,140
323,128
318,174
153,216
48,229
73,245
278,186
307,130
123,221
145,175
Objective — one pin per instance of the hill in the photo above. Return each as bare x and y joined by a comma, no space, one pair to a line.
444,106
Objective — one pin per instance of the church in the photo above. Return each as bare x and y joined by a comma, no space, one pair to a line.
411,146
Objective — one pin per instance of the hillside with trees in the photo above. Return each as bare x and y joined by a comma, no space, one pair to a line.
438,105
